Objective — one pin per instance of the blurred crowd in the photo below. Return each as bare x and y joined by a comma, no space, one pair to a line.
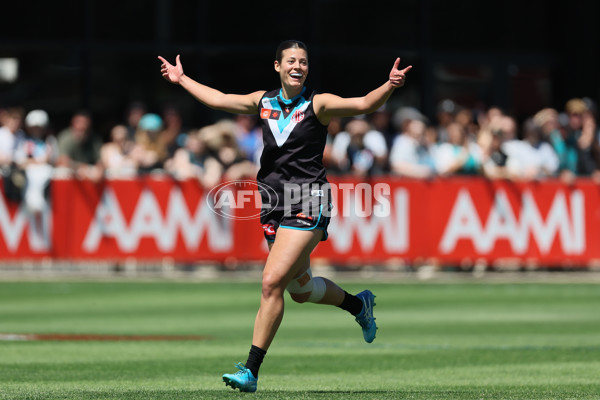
552,143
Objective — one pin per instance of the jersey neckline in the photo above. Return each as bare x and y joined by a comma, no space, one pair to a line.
290,101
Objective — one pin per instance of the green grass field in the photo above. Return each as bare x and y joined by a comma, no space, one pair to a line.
436,341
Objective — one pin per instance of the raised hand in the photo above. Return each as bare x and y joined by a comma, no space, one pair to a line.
398,76
170,72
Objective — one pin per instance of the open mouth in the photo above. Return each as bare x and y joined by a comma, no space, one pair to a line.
296,75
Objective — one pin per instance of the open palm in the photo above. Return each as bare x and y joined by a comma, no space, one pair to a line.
170,72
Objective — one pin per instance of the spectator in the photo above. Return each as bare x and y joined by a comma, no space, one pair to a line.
593,110
224,158
411,154
360,149
577,144
10,133
459,155
546,119
115,155
403,116
582,130
366,151
36,155
188,160
544,152
149,151
445,114
464,116
135,112
249,136
530,158
333,129
493,157
505,125
79,148
381,121
485,118
431,139
173,134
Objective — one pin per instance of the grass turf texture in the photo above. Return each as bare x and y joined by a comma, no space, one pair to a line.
436,341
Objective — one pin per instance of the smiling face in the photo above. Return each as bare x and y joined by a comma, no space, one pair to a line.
292,69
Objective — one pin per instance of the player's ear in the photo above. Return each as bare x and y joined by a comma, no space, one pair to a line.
277,66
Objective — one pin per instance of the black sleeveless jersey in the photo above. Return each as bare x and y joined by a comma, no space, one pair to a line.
294,141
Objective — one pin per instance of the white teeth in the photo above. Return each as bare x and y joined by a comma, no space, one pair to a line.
296,75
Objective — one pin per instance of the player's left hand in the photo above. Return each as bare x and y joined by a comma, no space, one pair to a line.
398,76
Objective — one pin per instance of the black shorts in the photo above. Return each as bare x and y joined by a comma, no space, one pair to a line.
300,220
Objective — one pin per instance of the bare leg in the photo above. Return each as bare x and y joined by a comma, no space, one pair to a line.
334,294
286,260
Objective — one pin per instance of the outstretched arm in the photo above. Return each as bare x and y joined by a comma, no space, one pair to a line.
328,105
233,103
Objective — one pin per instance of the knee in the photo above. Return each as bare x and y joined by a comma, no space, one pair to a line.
306,288
271,286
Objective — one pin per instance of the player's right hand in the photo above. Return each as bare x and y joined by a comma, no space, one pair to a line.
170,72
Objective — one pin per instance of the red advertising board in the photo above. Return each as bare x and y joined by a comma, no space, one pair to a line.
451,220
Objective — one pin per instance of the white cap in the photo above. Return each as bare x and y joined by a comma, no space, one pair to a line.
37,118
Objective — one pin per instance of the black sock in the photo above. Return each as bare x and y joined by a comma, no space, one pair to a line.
352,304
255,358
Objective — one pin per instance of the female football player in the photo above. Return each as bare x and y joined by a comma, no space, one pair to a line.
294,123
